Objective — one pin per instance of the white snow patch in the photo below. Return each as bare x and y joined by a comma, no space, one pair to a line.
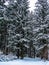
37,29
25,61
21,62
23,39
6,3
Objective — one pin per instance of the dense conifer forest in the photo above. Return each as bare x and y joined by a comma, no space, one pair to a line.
24,33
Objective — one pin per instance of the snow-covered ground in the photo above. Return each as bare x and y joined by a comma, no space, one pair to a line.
24,62
6,58
12,60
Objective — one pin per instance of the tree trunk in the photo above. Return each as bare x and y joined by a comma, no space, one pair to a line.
30,53
18,53
48,53
22,51
34,52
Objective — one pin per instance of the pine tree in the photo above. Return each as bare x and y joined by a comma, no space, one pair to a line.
41,26
1,19
23,19
3,26
10,16
29,35
17,15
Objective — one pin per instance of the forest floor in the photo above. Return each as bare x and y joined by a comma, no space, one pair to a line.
12,60
25,62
